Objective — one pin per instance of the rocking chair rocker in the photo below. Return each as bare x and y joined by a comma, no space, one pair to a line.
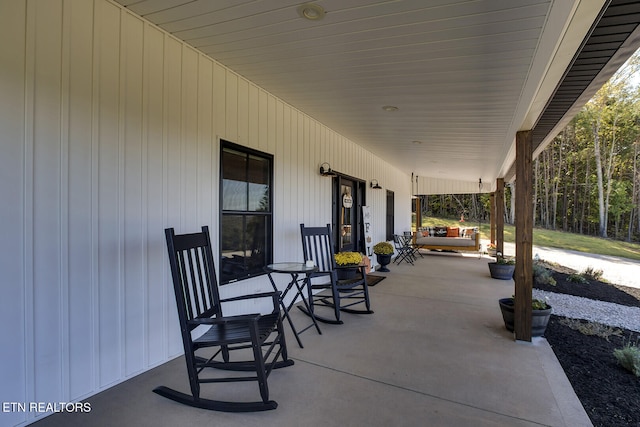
199,305
317,245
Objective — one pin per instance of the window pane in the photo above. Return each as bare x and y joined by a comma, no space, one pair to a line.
258,198
231,248
234,165
246,237
258,184
234,177
256,242
234,195
244,245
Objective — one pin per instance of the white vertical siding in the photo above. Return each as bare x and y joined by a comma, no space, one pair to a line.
156,313
16,280
77,118
110,133
132,296
107,244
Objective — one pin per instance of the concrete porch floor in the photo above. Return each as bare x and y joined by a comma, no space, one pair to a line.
434,353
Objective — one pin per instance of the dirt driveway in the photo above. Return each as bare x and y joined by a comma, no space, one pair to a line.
621,271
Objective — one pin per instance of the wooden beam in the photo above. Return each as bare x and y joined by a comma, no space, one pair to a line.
492,215
499,212
523,274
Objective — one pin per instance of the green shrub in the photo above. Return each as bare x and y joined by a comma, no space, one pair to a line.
629,357
591,328
592,274
538,304
577,278
542,276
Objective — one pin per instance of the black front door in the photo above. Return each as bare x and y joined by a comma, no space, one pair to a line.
348,198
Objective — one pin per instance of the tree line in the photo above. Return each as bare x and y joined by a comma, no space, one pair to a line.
587,180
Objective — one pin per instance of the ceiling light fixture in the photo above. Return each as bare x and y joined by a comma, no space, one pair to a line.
390,108
311,11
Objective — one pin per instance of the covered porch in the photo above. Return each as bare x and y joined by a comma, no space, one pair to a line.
434,353
114,113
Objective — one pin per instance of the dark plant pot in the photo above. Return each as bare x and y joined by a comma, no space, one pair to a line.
501,271
383,260
346,273
539,318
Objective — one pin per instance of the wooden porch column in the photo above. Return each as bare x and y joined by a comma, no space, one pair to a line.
499,212
492,216
524,236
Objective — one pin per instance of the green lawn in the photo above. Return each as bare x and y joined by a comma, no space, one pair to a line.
553,239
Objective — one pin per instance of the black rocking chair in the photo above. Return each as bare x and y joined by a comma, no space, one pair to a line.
338,295
259,337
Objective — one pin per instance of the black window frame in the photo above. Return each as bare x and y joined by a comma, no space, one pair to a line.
238,267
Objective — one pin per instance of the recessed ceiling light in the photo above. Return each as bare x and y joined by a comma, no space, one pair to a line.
416,142
390,108
311,11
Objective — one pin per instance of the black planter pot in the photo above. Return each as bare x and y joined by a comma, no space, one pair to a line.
501,271
383,260
539,318
347,273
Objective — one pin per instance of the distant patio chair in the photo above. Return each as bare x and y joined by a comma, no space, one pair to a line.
415,249
404,251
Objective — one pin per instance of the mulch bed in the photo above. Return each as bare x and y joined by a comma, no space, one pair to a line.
609,393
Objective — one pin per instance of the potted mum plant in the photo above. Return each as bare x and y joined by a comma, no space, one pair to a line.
540,313
348,264
502,268
383,251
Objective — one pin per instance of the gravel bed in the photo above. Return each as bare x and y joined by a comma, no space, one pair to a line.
587,309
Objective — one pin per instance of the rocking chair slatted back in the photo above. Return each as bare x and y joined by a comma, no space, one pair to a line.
317,245
197,286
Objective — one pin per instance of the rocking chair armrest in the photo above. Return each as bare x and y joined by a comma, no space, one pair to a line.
275,296
241,318
321,273
253,296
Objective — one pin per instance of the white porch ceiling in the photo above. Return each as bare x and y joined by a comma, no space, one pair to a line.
466,75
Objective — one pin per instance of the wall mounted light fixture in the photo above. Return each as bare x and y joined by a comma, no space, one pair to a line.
325,170
374,184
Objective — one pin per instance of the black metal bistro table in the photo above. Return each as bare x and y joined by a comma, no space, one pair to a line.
294,269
